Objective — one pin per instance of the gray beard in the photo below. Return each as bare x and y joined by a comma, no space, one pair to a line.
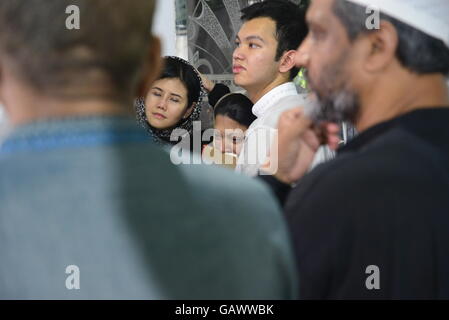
340,106
332,100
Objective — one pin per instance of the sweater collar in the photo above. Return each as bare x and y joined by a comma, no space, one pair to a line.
81,131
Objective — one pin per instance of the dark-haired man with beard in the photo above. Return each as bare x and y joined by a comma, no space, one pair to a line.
374,222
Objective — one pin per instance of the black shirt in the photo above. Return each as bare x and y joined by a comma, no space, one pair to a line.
219,91
382,203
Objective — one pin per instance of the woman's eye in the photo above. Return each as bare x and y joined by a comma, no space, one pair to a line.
237,44
253,45
175,100
157,94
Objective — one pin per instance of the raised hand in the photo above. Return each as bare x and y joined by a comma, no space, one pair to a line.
296,145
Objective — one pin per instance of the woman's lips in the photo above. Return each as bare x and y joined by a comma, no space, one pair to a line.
159,116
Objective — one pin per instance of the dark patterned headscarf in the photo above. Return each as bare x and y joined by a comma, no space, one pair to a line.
163,136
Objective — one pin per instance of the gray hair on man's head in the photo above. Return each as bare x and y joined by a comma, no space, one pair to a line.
108,48
416,51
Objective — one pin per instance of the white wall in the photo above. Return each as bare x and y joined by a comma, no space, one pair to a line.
3,123
164,26
1,113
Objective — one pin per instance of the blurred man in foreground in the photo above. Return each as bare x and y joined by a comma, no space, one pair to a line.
91,210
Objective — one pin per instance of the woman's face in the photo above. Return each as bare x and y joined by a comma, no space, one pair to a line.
166,103
229,135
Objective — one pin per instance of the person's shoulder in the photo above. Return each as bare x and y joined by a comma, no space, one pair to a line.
404,142
357,170
244,212
221,180
335,191
335,175
384,170
226,190
295,98
402,155
396,153
271,118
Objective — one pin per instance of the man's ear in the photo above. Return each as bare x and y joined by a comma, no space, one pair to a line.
288,61
382,47
189,111
152,67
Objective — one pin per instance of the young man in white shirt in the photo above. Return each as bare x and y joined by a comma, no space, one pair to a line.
264,65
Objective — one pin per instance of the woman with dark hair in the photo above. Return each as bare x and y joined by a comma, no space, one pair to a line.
233,116
173,102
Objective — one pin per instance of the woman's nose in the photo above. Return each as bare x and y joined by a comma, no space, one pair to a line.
162,104
220,145
228,146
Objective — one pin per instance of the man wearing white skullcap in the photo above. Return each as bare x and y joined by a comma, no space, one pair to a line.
374,222
428,16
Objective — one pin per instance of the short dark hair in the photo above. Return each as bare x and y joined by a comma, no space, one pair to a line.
178,68
417,51
111,43
237,107
291,26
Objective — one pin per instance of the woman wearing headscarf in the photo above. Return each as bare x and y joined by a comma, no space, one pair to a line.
172,103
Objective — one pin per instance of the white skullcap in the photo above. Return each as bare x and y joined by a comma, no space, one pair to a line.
428,16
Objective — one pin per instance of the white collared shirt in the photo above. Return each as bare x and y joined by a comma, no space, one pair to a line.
262,106
260,135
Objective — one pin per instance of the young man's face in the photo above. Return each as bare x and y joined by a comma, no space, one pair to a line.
254,64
